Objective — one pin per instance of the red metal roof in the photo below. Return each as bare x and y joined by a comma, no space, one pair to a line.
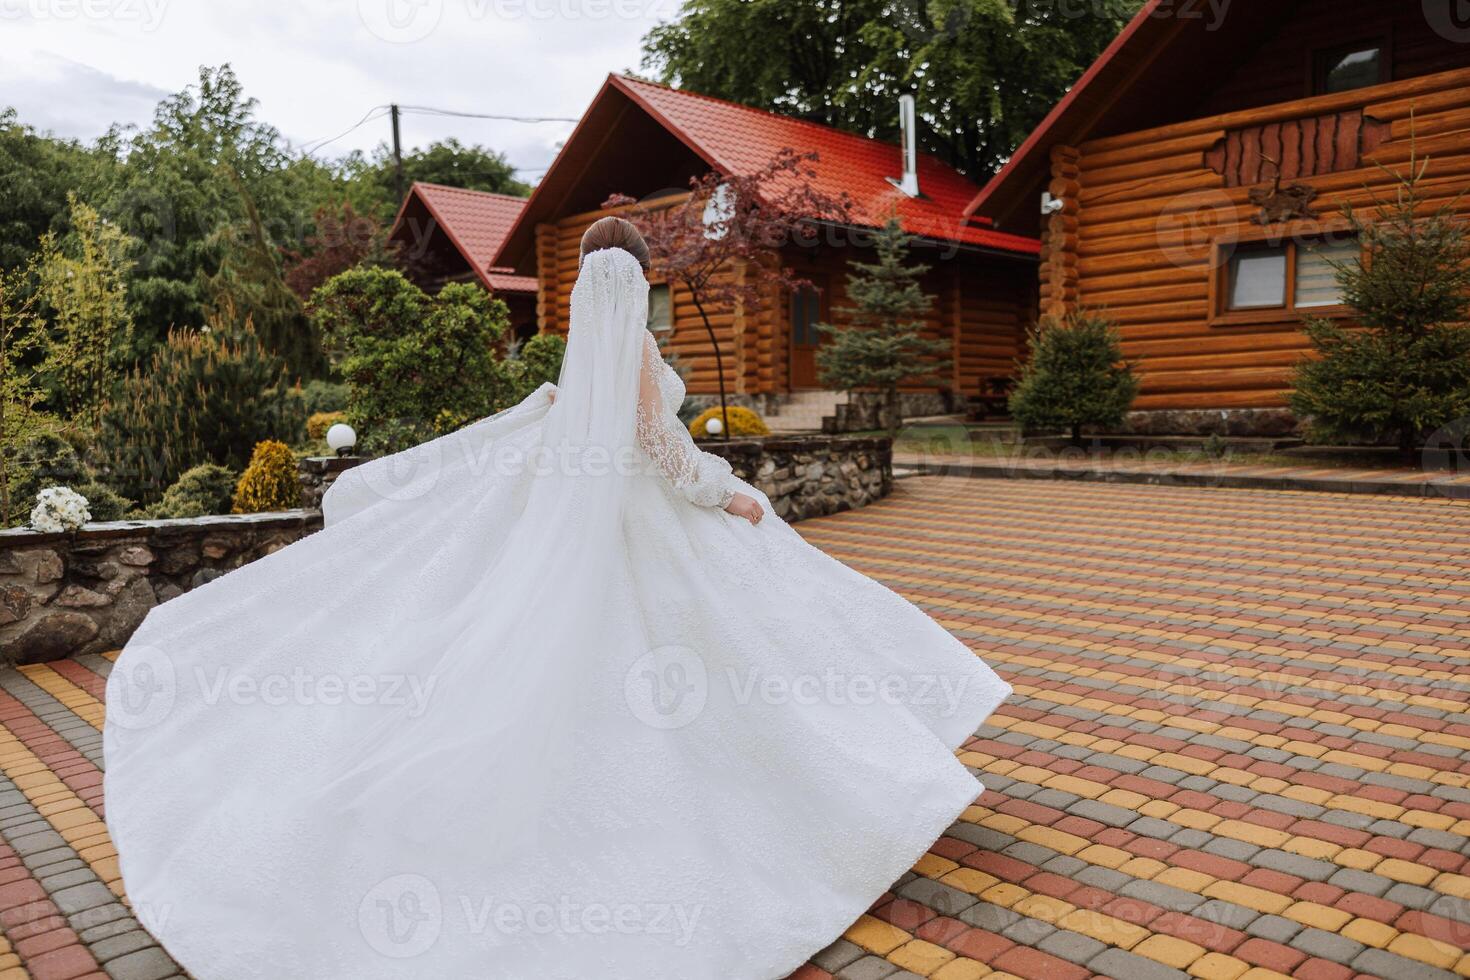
477,222
737,139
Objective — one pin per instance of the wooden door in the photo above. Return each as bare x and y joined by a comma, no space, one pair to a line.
808,308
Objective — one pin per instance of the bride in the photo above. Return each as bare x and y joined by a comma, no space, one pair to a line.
547,699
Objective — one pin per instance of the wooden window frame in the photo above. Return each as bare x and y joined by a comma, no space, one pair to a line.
1221,250
817,283
1317,53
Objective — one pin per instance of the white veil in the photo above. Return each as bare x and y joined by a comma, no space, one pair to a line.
516,641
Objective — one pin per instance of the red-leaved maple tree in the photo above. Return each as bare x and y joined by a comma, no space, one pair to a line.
734,222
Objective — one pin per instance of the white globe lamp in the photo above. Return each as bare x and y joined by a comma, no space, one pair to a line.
714,427
341,439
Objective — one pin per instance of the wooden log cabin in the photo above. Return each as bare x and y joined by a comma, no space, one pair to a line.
646,141
449,234
1194,177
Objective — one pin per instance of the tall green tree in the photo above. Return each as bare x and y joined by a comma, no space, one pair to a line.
983,72
1404,371
173,185
449,162
36,171
881,344
82,282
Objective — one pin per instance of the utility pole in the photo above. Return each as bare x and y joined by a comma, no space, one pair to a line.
397,155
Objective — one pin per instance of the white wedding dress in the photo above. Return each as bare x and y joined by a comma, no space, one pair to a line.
534,707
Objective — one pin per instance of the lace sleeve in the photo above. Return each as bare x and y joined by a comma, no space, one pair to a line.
703,478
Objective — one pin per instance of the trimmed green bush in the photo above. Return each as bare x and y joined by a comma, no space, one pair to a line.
201,491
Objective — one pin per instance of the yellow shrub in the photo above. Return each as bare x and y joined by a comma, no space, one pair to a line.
270,482
319,423
738,422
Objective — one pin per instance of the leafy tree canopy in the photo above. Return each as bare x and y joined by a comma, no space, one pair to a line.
984,72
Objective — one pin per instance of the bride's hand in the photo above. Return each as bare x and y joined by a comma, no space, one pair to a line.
743,506
551,397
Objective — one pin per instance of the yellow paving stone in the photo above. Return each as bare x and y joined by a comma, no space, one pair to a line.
969,880
1252,833
1261,973
1169,951
1104,928
962,968
1005,823
1145,868
1184,763
1160,809
875,935
1357,858
1249,896
1313,848
1453,884
1005,894
1369,932
1057,840
1184,878
1304,794
1044,907
1077,787
1218,966
1105,856
1318,916
1423,818
1425,950
1124,798
934,866
1194,819
1407,871
1376,809
920,957
15,973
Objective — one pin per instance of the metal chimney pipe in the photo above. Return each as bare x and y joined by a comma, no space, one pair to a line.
908,127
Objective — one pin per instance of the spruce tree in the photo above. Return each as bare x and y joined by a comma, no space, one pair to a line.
1075,376
1404,370
881,345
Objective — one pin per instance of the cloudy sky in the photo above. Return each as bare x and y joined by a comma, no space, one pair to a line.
317,67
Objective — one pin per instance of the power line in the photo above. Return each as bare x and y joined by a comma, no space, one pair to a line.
430,110
376,112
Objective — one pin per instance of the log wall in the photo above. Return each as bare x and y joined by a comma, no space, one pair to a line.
981,307
1149,205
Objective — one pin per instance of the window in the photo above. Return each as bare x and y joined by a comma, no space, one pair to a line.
1350,66
806,313
660,309
1275,280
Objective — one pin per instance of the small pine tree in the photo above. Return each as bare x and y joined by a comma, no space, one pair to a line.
22,333
1406,371
1075,376
881,346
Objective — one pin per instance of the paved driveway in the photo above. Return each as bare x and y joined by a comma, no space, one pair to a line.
1238,746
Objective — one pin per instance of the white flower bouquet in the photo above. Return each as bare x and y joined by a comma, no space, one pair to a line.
59,509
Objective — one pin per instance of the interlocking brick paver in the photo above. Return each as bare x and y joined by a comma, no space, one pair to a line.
1237,751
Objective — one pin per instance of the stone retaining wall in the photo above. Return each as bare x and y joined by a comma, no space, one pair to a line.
65,594
808,476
